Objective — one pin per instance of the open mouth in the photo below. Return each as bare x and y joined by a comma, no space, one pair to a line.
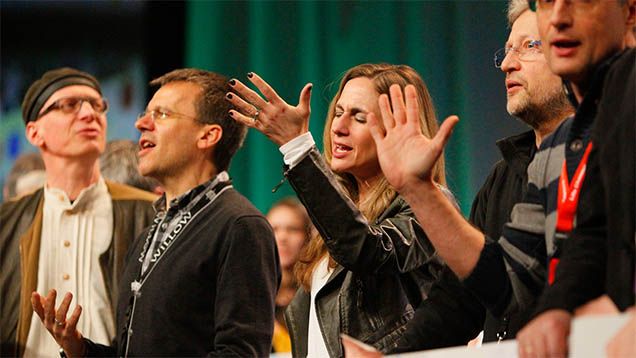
566,44
145,145
512,84
339,148
565,47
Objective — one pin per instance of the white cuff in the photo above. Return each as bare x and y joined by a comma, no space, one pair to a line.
296,149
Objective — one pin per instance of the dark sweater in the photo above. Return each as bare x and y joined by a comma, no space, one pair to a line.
211,293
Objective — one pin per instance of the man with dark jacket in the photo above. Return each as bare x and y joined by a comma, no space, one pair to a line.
536,97
202,280
74,232
588,41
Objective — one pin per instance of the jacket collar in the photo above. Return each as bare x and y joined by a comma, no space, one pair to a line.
518,151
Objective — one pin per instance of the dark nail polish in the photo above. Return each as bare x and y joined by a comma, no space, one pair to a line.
232,82
231,113
310,87
229,96
250,74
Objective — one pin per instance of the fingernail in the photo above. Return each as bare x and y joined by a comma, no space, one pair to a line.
229,96
250,74
232,82
231,113
310,87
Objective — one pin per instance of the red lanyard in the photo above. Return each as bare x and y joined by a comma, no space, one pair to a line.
569,193
568,200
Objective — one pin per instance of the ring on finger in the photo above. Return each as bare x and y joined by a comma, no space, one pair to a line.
59,323
256,116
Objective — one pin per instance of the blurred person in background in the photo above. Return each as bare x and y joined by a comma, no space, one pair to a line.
120,162
27,174
292,229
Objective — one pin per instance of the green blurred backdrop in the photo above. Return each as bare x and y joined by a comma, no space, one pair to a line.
450,43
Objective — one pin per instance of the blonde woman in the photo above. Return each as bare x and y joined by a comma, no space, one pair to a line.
371,266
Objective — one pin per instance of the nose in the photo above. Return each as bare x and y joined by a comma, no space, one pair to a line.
86,111
340,125
560,17
144,123
510,62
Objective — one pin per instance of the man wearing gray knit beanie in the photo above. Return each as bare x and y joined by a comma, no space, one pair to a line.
73,233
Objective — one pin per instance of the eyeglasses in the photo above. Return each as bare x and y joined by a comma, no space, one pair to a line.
525,52
72,105
542,5
161,114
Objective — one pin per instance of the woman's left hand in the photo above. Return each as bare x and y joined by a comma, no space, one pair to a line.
272,116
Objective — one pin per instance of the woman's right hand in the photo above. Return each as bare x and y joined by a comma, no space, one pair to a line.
406,155
63,330
272,116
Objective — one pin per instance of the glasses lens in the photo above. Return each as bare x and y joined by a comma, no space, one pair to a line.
99,105
69,105
499,57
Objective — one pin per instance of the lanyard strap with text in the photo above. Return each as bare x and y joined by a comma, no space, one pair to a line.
568,201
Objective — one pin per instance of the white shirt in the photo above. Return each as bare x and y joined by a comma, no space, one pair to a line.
74,235
316,346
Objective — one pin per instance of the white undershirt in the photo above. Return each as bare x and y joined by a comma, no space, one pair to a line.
316,346
74,235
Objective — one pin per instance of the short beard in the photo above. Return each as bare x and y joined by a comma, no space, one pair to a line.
547,108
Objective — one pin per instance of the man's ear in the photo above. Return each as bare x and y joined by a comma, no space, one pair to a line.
33,135
210,135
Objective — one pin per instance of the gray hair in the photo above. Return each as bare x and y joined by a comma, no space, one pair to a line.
119,163
515,9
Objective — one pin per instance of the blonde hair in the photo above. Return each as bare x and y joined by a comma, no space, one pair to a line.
383,75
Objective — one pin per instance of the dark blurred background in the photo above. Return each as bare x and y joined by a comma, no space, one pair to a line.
128,43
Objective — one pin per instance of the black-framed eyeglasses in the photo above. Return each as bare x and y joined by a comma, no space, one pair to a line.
72,105
524,52
161,114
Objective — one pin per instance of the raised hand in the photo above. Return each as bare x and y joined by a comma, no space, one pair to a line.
63,330
272,116
406,156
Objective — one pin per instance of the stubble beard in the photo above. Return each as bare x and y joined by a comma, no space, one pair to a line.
539,109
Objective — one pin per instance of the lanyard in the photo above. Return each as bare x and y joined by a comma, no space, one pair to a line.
569,193
568,200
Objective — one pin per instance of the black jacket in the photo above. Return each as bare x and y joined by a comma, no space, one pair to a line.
505,186
386,271
599,255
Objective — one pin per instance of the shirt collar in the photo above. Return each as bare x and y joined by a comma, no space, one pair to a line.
191,196
88,195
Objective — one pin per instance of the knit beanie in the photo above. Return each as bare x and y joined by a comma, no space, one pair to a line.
51,81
